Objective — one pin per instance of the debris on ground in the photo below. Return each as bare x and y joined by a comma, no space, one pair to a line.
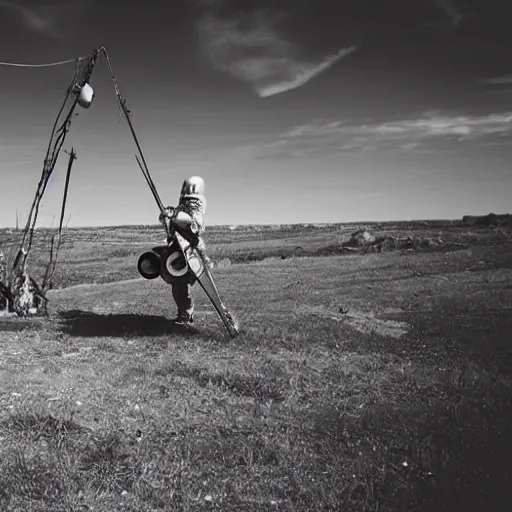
24,297
19,294
363,241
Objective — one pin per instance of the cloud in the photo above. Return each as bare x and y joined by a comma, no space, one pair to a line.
297,74
451,10
499,87
453,15
48,20
499,80
31,18
427,133
251,47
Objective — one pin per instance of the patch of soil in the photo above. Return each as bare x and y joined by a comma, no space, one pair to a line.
364,322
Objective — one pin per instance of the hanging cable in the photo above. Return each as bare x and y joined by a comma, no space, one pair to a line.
41,65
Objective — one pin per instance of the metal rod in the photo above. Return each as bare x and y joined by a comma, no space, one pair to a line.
146,174
150,181
122,102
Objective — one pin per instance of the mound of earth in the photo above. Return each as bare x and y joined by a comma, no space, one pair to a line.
488,220
364,241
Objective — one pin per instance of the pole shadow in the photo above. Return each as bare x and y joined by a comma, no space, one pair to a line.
89,324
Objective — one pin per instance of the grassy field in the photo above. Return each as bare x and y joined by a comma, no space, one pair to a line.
360,382
103,255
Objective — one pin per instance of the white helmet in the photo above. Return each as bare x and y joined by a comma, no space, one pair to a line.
192,187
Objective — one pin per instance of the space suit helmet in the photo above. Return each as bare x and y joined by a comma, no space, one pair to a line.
192,188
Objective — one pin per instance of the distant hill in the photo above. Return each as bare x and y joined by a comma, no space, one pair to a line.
472,220
263,227
488,220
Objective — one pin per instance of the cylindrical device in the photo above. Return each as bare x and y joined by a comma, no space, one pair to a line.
174,267
149,265
86,96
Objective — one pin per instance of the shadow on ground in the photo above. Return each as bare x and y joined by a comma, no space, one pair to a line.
89,324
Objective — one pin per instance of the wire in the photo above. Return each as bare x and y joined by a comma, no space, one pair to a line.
40,65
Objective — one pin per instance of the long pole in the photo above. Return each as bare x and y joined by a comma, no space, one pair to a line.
55,246
142,162
72,157
151,185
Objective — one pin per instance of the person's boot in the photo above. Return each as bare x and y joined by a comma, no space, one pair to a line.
184,319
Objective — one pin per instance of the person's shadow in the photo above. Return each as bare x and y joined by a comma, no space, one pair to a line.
89,324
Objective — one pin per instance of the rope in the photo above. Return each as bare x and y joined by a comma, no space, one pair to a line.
41,65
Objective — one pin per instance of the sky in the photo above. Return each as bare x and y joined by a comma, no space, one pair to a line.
303,111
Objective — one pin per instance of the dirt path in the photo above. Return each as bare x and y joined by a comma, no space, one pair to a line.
94,285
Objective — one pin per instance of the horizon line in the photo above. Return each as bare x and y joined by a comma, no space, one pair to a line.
234,226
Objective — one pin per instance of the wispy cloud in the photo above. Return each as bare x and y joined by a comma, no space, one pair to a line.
251,47
499,87
498,80
48,20
296,74
410,135
31,18
452,14
451,10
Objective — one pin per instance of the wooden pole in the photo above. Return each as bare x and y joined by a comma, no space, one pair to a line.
72,158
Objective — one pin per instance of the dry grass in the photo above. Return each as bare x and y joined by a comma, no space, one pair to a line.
373,382
109,254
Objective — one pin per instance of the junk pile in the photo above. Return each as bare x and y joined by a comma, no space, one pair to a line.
362,241
19,292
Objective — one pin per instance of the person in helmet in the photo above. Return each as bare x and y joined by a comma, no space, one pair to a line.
188,220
